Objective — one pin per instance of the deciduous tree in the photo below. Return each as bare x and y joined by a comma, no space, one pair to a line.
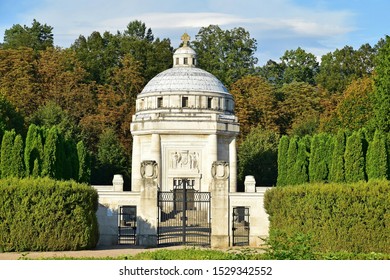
255,104
36,37
257,156
228,54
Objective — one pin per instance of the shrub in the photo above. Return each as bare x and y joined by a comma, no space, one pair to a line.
46,215
338,217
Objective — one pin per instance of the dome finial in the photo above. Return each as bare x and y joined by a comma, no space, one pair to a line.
185,38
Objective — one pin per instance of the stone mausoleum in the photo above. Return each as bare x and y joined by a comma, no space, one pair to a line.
184,168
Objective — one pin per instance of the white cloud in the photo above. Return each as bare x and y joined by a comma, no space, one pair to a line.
266,20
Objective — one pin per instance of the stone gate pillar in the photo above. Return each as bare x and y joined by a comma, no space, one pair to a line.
220,204
148,210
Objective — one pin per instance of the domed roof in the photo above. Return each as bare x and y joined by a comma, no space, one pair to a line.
184,76
185,79
185,50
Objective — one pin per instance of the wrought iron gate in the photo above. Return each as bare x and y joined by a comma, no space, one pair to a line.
184,216
127,224
241,226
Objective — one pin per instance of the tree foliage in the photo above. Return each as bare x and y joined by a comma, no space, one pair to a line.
254,103
319,158
111,158
382,87
300,174
340,67
282,160
336,168
300,66
84,163
355,158
257,156
18,169
292,154
228,54
376,165
7,144
37,37
33,152
354,109
51,154
298,103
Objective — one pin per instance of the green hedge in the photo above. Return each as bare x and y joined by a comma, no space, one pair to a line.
336,217
47,215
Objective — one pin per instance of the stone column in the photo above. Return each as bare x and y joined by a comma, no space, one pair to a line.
213,147
136,164
155,151
233,165
148,211
211,156
220,204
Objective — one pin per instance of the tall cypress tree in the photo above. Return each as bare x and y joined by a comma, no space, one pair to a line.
300,167
376,164
62,168
84,174
291,159
33,152
282,161
50,153
319,158
354,158
382,87
6,153
336,170
71,162
18,169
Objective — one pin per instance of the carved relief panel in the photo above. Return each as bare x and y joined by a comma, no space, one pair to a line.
188,160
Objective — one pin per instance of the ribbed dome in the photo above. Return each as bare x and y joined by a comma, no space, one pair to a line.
185,50
179,79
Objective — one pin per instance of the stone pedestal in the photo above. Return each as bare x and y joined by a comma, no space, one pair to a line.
148,212
220,204
250,183
117,183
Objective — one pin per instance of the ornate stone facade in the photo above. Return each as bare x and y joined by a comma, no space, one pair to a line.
184,121
184,166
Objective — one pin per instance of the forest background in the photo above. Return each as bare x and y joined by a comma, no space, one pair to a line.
88,90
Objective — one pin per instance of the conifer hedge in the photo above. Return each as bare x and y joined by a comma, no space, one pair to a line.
45,153
359,156
47,215
337,217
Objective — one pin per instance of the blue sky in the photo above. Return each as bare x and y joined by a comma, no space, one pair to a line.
317,26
